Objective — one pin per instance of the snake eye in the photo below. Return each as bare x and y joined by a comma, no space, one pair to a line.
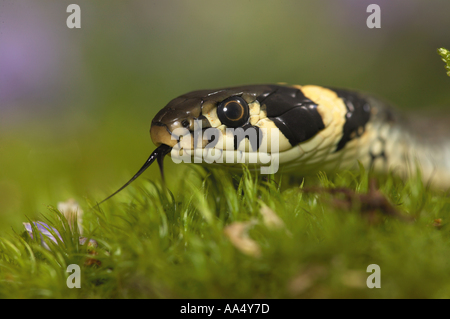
233,112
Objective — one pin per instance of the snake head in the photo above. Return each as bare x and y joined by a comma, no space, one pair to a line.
200,110
235,125
237,122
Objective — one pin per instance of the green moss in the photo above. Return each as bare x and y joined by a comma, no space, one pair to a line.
161,245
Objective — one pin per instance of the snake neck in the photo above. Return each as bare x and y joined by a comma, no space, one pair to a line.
398,146
389,143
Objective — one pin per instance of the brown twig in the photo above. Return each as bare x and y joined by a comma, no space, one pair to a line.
368,203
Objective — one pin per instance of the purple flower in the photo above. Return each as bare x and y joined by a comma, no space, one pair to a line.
44,229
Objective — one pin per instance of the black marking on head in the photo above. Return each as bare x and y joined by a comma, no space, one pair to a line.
283,99
212,135
253,134
299,124
236,140
358,114
211,141
259,136
293,113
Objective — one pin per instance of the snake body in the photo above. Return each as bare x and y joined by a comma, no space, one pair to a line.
319,129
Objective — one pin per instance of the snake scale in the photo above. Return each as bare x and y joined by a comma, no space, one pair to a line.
318,129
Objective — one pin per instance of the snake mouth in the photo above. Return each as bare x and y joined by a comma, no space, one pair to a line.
161,134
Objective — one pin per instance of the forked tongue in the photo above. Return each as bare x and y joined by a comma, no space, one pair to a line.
158,155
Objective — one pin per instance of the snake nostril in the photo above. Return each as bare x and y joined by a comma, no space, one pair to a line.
185,123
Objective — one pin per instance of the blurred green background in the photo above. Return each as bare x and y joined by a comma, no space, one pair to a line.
76,104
